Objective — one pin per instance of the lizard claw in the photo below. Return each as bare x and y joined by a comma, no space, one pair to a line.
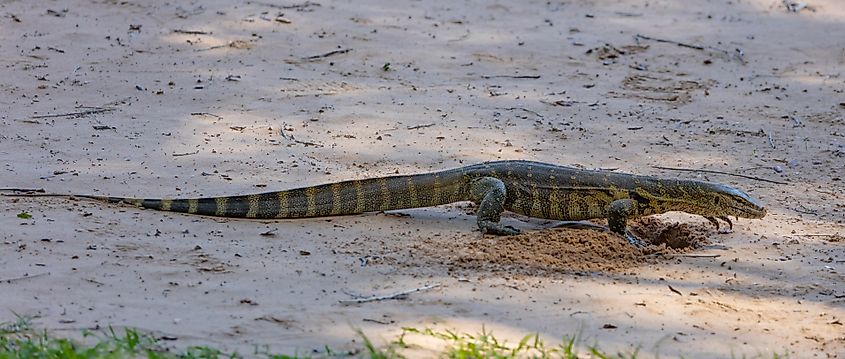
728,220
718,227
714,221
633,240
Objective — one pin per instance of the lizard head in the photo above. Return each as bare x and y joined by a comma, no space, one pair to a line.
716,199
706,199
729,201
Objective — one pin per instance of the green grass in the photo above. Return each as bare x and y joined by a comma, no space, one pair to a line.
21,340
486,345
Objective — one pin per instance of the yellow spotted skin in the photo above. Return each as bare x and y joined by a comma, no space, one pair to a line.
193,203
254,205
530,188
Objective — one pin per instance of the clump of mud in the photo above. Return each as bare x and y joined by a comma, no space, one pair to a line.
569,250
681,237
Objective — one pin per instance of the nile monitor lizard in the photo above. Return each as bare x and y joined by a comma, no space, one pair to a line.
530,188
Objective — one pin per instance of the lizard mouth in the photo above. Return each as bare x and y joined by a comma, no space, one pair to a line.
749,212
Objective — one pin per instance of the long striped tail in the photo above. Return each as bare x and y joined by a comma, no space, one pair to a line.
340,198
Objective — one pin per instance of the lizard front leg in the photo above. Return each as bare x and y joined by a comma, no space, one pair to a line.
490,194
617,219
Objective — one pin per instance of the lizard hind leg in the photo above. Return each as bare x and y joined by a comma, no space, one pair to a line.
490,194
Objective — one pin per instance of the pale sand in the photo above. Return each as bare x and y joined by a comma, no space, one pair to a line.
621,104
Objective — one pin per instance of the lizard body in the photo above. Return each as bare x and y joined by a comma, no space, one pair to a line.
530,188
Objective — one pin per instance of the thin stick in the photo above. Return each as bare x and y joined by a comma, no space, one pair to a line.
697,47
294,6
117,102
564,103
186,153
771,140
535,113
727,53
237,44
301,6
687,255
420,126
90,110
699,255
10,280
206,114
291,138
675,290
59,195
80,113
399,295
718,172
511,76
330,53
191,32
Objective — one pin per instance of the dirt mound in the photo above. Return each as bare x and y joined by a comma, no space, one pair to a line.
681,237
567,250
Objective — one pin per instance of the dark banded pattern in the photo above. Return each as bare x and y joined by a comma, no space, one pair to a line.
531,188
297,203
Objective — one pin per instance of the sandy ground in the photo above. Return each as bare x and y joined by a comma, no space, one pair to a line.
187,98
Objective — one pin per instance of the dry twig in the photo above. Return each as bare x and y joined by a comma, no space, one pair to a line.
681,44
737,55
186,153
718,172
535,113
511,76
330,53
206,114
10,280
675,290
420,126
89,110
291,138
191,32
399,295
77,114
686,255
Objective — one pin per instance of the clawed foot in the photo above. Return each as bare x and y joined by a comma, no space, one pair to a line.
633,240
719,230
497,229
